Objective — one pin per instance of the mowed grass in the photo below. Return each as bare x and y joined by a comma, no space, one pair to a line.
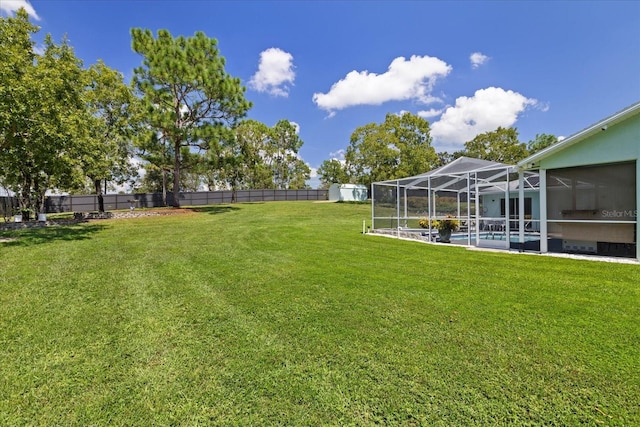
285,314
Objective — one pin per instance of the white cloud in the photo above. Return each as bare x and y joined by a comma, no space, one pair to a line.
477,59
296,126
429,113
485,111
543,106
11,6
275,71
338,155
404,80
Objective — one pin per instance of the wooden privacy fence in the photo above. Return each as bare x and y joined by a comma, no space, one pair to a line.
89,203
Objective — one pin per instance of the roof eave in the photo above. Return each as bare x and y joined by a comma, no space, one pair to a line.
532,162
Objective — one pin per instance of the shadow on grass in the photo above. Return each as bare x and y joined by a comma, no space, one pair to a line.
213,210
36,236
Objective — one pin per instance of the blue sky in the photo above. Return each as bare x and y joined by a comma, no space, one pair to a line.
331,66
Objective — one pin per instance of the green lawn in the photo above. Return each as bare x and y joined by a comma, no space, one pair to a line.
285,314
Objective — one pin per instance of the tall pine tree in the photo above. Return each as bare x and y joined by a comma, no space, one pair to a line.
188,97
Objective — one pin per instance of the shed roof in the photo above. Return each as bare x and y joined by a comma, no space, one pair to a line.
348,186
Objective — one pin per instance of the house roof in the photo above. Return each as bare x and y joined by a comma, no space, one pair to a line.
533,161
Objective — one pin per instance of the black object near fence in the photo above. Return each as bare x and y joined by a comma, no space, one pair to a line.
89,203
8,205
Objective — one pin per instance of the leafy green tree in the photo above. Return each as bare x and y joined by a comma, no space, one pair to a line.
188,96
398,147
192,177
158,171
257,156
251,142
43,117
444,157
16,66
289,170
239,163
332,172
298,173
157,153
112,107
154,181
540,142
501,145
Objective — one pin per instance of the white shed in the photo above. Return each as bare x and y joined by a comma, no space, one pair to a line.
348,193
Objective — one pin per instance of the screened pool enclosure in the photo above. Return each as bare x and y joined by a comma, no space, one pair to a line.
496,206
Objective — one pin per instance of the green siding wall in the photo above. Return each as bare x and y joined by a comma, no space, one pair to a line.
619,143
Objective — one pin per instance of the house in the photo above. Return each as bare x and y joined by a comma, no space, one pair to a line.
580,195
590,189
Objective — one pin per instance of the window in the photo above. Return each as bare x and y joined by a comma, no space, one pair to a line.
514,207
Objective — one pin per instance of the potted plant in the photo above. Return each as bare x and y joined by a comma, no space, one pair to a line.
444,226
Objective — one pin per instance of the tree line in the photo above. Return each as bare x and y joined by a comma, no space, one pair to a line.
69,128
401,146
